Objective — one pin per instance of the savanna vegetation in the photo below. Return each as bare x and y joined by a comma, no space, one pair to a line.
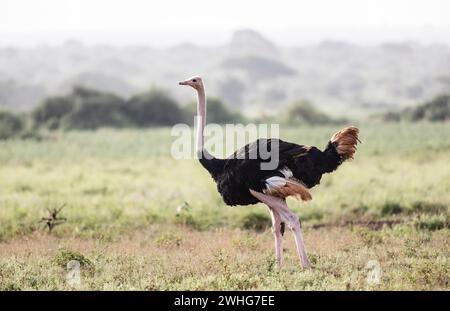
10,124
303,112
88,109
136,218
435,110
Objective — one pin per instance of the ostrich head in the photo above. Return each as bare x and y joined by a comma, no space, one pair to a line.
195,82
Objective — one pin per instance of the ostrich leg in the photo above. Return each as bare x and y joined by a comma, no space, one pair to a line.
276,229
294,224
280,206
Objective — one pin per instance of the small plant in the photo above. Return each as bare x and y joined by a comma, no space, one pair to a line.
360,209
269,263
223,259
168,239
432,223
245,243
429,208
391,208
369,237
53,220
63,256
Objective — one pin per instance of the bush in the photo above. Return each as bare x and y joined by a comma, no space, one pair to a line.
50,112
435,110
389,117
432,222
391,208
82,109
304,112
438,109
96,111
63,256
10,125
153,108
89,109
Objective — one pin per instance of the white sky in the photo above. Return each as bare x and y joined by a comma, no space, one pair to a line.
170,21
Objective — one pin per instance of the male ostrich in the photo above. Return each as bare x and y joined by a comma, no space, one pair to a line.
241,180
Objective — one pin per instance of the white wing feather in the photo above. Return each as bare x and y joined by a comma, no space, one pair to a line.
286,172
274,182
277,181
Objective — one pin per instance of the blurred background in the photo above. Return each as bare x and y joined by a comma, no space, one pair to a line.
89,92
295,61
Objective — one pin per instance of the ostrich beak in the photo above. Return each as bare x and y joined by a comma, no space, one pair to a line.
183,83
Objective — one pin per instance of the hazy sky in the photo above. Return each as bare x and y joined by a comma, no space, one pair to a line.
209,21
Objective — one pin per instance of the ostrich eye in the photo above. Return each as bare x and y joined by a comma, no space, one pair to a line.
194,80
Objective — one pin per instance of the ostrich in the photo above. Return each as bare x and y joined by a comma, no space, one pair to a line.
241,180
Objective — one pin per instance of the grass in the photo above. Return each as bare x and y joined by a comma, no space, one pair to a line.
158,259
139,219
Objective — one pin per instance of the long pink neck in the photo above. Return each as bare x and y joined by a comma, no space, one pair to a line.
201,118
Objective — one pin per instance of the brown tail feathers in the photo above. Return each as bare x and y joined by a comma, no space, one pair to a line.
291,188
345,142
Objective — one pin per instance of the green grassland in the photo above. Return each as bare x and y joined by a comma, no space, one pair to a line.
139,219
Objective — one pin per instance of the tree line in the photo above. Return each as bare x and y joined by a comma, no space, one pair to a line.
434,110
88,109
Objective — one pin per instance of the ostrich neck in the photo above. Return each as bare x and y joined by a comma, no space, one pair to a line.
201,118
214,166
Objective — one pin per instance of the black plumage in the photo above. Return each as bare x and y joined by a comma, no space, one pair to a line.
242,171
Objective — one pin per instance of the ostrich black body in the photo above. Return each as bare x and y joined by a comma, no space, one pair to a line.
242,171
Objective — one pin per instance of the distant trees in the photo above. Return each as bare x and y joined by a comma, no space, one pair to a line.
10,124
438,109
81,109
154,107
51,111
89,109
435,110
305,112
93,109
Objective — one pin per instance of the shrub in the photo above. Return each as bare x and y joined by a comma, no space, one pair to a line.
391,208
90,109
63,256
432,223
96,111
153,108
437,109
304,112
10,125
82,109
50,112
168,239
429,208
